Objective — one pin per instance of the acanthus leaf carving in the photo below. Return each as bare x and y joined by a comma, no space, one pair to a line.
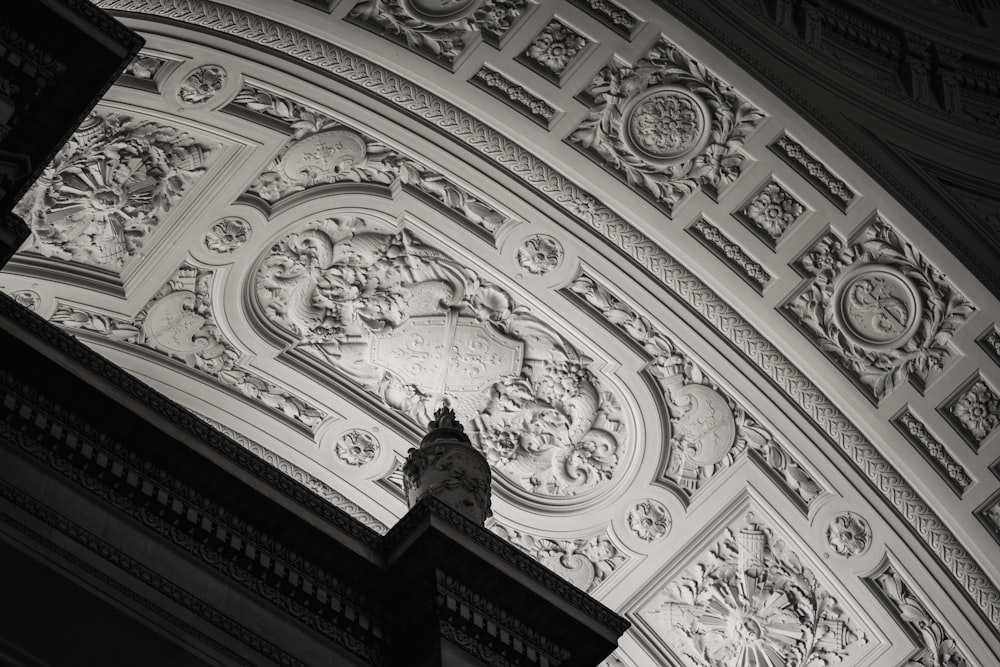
878,308
709,430
749,602
178,322
323,150
667,125
109,187
414,327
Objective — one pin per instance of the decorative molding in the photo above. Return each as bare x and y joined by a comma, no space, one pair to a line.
877,308
849,534
540,254
109,187
857,449
770,213
514,95
178,323
813,171
356,447
202,84
649,520
974,411
413,326
227,235
709,430
730,252
990,342
584,562
553,49
935,645
440,31
750,601
303,477
322,150
933,450
612,15
667,126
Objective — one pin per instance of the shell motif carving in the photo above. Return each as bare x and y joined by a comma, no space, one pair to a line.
415,327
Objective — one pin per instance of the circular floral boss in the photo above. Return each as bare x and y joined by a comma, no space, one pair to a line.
666,125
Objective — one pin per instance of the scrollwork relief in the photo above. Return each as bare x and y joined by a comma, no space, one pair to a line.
709,430
323,151
667,125
584,562
878,308
109,187
749,602
178,322
415,327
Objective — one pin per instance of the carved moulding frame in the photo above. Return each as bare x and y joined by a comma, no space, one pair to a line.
566,195
748,501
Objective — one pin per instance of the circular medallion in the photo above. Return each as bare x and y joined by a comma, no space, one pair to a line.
649,520
878,307
329,152
356,447
665,125
202,84
707,426
440,12
539,254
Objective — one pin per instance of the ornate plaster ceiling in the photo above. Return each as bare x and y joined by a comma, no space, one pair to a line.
727,385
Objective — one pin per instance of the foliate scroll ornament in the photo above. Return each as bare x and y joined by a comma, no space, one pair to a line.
540,254
516,95
936,452
555,47
649,520
178,322
144,66
667,125
202,84
227,235
849,534
109,187
415,327
440,29
708,429
936,647
976,411
751,602
771,212
323,151
878,308
586,563
356,447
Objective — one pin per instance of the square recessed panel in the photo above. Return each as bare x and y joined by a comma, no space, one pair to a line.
554,50
770,212
973,411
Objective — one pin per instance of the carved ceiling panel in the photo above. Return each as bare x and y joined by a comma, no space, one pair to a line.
652,293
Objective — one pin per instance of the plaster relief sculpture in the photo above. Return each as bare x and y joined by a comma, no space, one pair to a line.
771,212
667,125
554,48
649,520
179,323
414,327
108,188
539,254
227,235
323,151
26,298
585,562
976,411
440,29
849,535
936,647
750,602
144,66
878,308
202,84
515,95
356,447
708,430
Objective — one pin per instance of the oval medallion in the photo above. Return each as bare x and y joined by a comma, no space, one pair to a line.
329,152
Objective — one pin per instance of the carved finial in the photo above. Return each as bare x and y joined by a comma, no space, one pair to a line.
444,417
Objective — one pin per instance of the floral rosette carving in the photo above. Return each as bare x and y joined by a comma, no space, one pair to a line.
178,322
227,235
649,520
439,29
773,210
849,535
539,254
202,84
667,125
555,47
585,562
977,411
356,448
750,602
322,151
109,187
878,308
416,328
